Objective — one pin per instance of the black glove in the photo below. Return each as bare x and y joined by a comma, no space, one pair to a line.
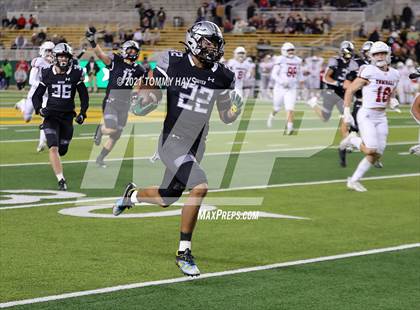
80,118
43,112
90,36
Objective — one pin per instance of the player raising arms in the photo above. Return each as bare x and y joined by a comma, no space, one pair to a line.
124,74
61,82
182,141
243,69
287,77
378,82
44,60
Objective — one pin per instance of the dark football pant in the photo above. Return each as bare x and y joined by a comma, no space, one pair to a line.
115,113
58,130
331,99
182,159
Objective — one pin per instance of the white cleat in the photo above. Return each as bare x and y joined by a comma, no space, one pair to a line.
355,185
19,105
270,120
41,147
346,142
313,102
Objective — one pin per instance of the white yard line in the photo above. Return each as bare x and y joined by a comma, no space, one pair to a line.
88,200
209,275
319,147
221,132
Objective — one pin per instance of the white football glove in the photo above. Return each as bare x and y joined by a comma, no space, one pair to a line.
393,104
415,150
348,118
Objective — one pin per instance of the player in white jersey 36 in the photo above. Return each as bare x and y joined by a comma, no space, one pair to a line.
287,77
378,82
264,69
25,106
243,69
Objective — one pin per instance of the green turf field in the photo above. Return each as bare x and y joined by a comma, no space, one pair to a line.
44,252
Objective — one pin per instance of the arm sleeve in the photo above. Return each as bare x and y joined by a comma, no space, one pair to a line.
223,100
162,65
37,97
33,76
84,97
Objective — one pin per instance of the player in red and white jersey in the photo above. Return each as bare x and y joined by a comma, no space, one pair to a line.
244,70
264,69
378,82
25,106
287,78
312,72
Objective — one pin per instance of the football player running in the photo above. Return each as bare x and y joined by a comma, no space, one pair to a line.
243,69
415,112
350,77
182,141
44,60
378,82
124,75
335,75
61,81
287,77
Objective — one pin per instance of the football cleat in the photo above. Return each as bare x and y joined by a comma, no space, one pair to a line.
185,262
100,162
270,120
378,164
346,142
415,150
62,185
98,135
355,185
342,156
313,102
125,202
19,105
41,146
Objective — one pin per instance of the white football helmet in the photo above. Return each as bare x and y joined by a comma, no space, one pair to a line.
409,63
380,47
400,65
45,50
288,49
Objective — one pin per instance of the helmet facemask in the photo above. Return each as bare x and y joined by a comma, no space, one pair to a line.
63,61
131,54
211,49
380,59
